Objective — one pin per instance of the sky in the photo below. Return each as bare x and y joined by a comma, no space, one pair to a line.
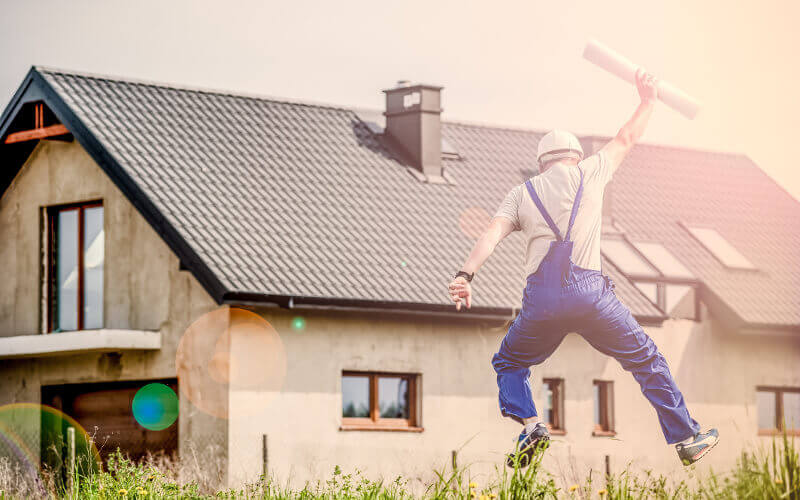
503,63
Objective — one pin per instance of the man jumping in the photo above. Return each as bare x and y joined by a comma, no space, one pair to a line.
563,295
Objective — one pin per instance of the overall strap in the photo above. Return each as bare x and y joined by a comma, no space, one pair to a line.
575,205
541,208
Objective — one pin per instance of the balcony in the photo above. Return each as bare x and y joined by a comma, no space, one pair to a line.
78,342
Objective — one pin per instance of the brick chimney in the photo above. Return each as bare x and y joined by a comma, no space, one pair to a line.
413,121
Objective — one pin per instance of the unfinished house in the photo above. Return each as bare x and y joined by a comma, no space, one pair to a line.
283,268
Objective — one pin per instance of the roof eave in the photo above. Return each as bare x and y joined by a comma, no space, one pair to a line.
364,305
250,299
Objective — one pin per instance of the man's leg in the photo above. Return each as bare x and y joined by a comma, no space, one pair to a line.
615,332
528,342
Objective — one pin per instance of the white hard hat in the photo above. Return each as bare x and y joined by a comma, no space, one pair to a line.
558,144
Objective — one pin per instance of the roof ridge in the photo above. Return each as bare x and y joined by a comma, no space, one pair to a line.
191,88
673,147
494,126
460,122
684,149
356,109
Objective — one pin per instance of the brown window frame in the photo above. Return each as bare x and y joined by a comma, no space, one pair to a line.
606,400
557,426
375,422
779,417
52,242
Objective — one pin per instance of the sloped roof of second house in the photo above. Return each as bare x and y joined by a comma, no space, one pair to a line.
660,190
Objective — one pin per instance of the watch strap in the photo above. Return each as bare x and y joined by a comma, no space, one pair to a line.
467,276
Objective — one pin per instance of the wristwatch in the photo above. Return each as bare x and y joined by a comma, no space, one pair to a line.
467,276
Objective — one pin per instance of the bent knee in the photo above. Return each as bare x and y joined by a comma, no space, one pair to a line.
649,361
503,363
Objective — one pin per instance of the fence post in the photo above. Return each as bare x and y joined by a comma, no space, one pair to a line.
264,455
454,458
71,461
608,468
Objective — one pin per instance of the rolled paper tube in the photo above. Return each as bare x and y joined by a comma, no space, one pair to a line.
625,69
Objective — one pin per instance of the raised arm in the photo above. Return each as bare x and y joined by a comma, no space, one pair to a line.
498,229
632,131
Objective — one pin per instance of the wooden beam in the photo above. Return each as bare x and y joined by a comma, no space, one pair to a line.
37,133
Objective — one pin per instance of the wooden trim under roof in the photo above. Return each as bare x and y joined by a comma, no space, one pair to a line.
39,131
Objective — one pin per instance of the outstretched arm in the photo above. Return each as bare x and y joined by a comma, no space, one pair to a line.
498,229
632,131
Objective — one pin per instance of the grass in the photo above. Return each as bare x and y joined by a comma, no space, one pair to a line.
763,474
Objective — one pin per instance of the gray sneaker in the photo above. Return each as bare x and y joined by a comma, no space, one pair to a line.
527,445
697,449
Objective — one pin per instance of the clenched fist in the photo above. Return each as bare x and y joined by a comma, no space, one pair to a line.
460,290
647,85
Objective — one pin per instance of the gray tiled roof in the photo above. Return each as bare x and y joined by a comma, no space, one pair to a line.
292,199
658,188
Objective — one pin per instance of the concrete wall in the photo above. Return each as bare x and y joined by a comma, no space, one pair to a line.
143,287
717,371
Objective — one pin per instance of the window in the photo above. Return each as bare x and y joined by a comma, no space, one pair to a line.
626,258
663,259
376,401
76,256
778,410
657,273
552,412
603,408
650,290
720,248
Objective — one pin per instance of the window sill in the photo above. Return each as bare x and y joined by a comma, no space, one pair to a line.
604,433
557,432
78,342
366,427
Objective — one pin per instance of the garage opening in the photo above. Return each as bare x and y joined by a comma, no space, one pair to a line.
105,411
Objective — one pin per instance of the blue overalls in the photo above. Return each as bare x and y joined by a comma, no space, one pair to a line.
561,297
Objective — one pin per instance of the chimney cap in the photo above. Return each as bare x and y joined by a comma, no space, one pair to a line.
407,84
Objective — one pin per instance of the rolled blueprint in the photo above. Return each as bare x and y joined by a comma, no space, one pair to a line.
622,67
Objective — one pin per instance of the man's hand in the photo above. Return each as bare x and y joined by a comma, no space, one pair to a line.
460,290
646,84
499,228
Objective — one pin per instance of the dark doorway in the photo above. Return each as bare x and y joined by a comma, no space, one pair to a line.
104,410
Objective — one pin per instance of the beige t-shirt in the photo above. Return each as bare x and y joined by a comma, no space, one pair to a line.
557,188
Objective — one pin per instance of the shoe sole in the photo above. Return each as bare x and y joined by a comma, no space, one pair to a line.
528,452
702,453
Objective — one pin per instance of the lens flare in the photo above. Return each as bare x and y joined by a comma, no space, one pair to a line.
33,434
473,222
298,323
155,407
231,363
